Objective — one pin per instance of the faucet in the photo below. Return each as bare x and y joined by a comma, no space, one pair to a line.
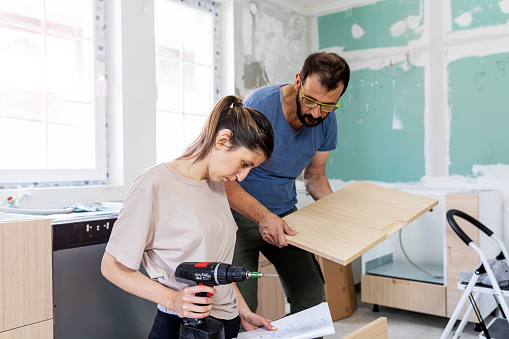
14,202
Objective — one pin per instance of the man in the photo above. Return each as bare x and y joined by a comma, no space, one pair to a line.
305,131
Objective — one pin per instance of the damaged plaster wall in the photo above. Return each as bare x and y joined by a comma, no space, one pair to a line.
437,91
270,44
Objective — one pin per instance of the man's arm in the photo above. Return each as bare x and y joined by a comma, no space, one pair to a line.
272,228
314,177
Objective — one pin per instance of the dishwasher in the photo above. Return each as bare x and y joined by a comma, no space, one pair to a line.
87,305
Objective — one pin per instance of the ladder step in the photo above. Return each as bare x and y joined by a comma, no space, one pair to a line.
498,329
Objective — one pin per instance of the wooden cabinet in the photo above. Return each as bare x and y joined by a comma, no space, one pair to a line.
396,283
26,295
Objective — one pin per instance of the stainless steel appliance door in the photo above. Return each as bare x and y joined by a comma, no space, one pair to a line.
87,306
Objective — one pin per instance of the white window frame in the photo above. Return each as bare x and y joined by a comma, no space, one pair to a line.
13,178
212,8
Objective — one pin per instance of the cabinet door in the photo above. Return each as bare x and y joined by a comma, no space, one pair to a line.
25,273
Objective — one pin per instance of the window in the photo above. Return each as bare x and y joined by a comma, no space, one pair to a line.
52,102
186,41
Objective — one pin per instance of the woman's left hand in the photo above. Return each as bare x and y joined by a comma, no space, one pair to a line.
251,321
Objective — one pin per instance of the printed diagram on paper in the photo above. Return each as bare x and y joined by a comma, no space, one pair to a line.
311,323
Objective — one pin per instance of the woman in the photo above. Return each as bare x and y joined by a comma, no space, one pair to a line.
178,211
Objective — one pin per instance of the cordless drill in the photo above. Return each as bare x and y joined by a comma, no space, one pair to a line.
209,274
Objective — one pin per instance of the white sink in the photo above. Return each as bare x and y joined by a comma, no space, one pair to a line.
36,211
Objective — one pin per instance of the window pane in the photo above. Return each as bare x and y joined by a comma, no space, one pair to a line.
71,135
168,28
70,147
170,136
68,67
197,89
22,108
22,60
169,85
22,154
69,17
197,37
22,11
70,113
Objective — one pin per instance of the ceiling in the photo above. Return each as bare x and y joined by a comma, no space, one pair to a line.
319,7
316,7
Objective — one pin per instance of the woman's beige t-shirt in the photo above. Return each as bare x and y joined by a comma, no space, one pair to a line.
167,219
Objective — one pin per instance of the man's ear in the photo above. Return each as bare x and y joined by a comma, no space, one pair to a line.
297,82
223,138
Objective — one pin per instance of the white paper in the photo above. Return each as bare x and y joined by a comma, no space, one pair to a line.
311,323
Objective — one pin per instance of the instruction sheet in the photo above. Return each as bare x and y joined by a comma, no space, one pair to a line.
311,323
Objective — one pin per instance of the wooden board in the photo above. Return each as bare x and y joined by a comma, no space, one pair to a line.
345,224
377,329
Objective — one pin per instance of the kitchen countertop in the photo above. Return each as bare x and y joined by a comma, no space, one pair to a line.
111,211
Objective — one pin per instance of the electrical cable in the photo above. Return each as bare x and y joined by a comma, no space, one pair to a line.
411,262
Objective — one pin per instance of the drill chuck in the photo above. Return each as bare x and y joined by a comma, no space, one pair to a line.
214,273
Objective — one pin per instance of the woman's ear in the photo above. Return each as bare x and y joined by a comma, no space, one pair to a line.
223,138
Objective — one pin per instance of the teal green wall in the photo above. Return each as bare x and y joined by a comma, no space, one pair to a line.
484,13
376,20
368,147
479,102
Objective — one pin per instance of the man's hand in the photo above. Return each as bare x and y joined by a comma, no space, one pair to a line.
273,230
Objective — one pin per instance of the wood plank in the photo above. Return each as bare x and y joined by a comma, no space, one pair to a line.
347,223
26,294
339,288
377,329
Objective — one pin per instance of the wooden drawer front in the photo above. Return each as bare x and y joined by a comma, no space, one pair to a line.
42,330
404,294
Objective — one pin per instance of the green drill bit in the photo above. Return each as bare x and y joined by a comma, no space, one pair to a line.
260,275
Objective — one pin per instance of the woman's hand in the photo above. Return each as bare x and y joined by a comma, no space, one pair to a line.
188,305
251,321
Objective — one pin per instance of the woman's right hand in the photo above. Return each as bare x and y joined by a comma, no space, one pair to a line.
188,305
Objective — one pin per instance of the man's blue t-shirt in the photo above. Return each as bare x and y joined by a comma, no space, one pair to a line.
273,182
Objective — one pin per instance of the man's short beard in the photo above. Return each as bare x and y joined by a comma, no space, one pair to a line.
313,122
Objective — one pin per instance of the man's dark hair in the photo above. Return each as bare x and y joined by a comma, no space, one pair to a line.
332,70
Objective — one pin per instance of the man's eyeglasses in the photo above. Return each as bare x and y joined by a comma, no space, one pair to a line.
327,108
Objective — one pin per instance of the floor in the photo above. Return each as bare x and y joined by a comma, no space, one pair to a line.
400,324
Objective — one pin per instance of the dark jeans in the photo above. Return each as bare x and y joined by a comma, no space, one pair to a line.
166,326
298,269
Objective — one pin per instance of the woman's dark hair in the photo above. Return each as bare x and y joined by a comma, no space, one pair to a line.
250,129
330,68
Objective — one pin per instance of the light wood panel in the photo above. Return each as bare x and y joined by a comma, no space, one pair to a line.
339,288
26,294
42,330
345,224
271,296
404,294
460,257
377,329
